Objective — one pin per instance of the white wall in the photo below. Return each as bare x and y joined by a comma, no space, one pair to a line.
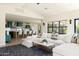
66,15
2,28
44,27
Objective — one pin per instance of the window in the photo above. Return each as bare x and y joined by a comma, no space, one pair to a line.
39,28
50,28
27,26
57,27
62,27
9,24
19,24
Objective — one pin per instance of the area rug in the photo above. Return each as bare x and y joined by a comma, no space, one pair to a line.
20,50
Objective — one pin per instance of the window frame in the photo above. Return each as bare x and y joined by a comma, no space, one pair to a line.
57,27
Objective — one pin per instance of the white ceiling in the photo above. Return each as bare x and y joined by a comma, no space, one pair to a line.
22,18
45,9
52,8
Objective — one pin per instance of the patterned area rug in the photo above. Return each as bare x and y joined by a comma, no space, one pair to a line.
20,50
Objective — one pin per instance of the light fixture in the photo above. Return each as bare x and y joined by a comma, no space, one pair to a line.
37,3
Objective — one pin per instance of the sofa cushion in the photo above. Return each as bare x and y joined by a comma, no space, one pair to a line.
67,49
74,40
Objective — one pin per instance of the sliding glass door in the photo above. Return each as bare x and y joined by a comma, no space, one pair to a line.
76,26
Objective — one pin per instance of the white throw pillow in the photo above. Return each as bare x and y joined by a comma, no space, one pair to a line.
48,35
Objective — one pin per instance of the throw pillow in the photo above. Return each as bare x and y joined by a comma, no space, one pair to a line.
74,40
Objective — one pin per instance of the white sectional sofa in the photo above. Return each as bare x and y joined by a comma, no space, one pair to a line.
67,49
63,47
28,42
